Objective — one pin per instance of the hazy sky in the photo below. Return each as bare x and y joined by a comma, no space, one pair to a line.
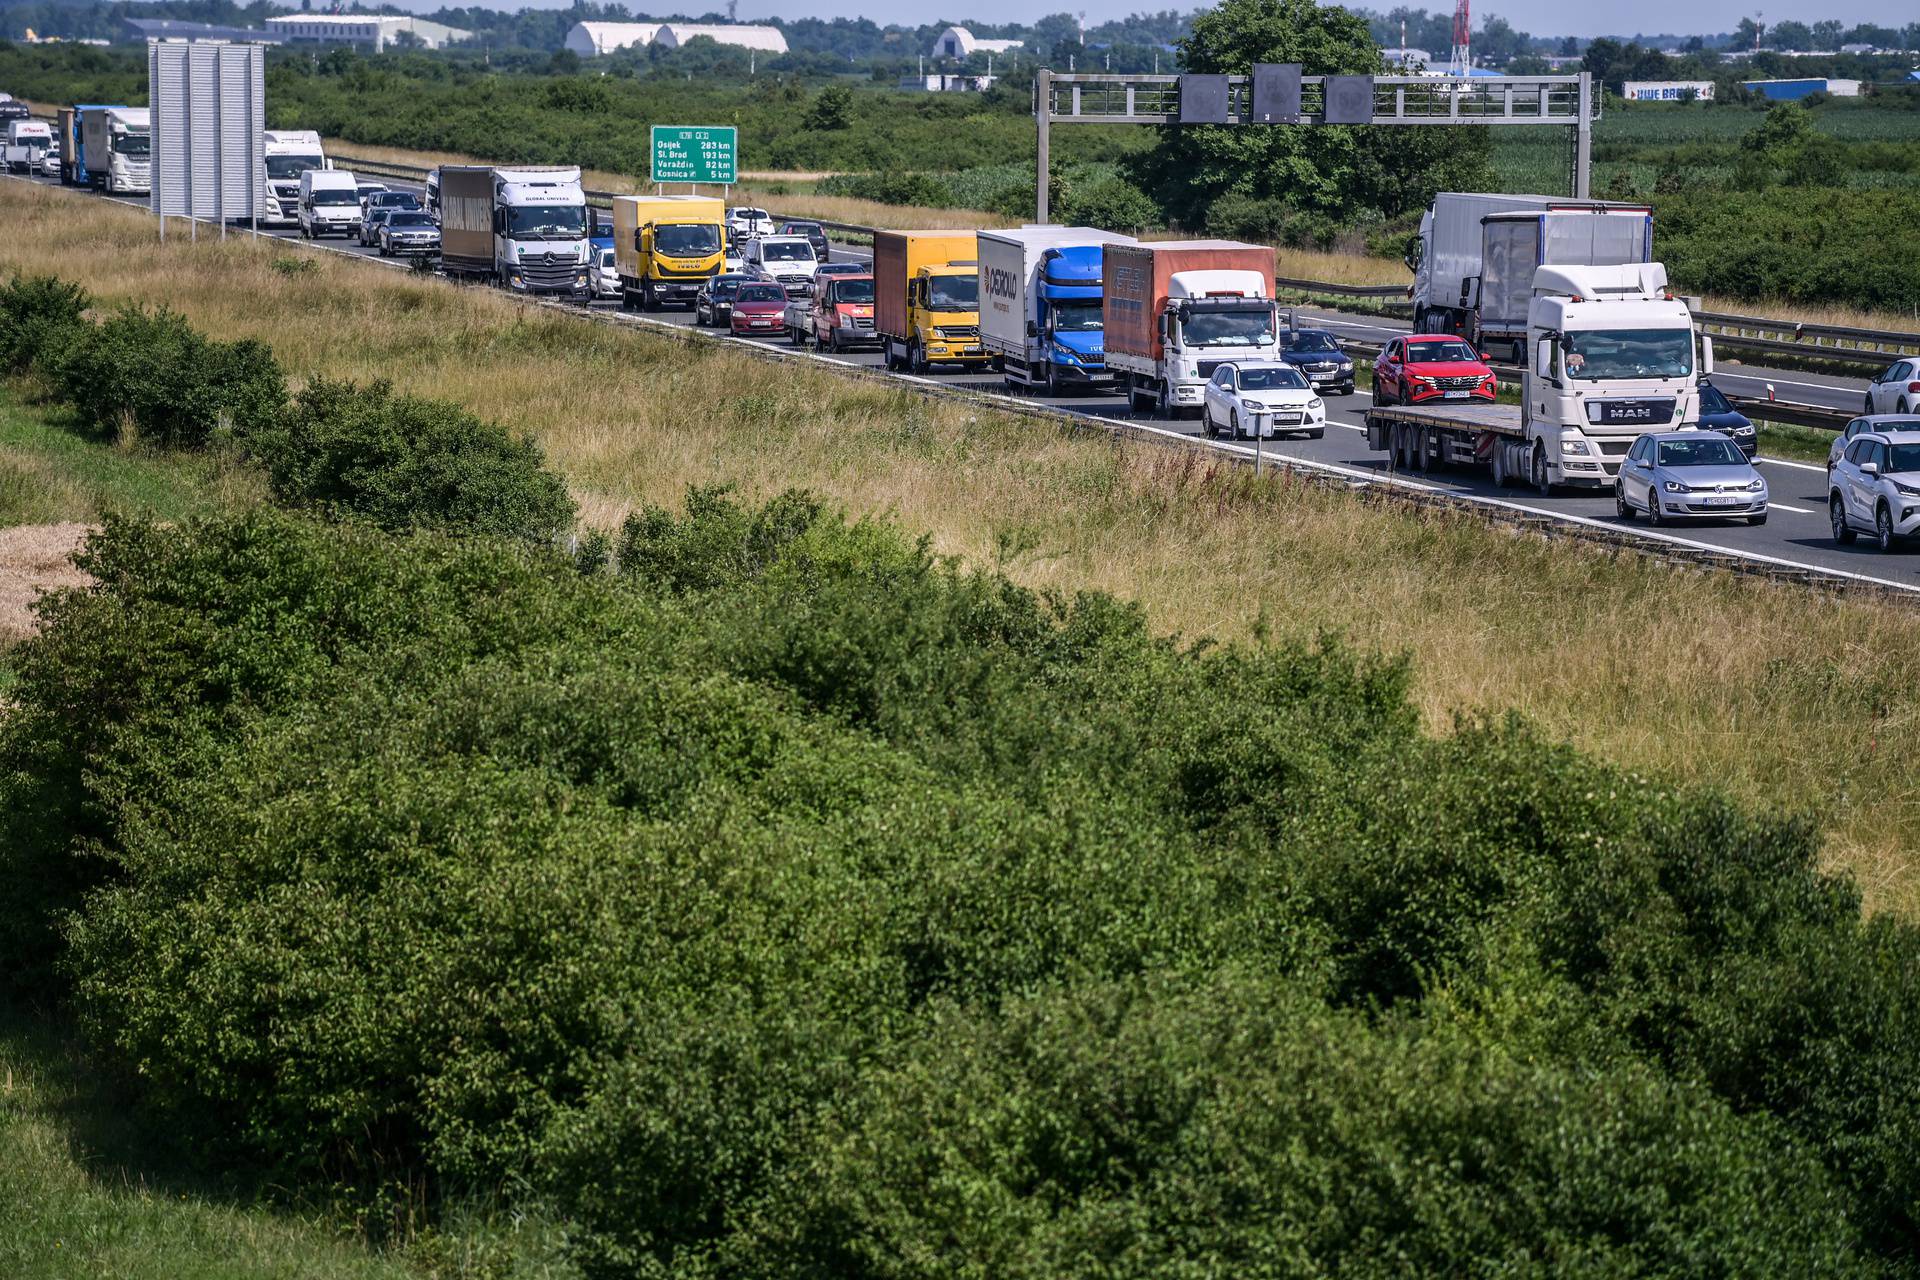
1555,17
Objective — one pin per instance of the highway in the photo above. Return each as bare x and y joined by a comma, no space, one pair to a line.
1797,532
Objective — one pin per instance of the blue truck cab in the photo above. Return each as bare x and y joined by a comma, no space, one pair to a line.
1071,298
1041,297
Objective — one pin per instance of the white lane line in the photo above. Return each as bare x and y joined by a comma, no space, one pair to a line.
1797,466
1781,506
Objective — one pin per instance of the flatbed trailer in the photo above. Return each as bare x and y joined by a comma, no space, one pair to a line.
1421,437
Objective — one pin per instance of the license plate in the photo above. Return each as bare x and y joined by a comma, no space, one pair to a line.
1729,501
1455,395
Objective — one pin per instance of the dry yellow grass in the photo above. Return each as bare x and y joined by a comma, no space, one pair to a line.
1783,696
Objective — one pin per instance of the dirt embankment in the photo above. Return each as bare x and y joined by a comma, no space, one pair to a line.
34,558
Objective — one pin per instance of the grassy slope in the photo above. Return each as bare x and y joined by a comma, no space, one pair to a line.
76,1200
1783,696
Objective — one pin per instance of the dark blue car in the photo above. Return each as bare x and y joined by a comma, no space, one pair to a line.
1718,414
1317,355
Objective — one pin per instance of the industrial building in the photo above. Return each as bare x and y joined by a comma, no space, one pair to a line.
765,39
1787,90
370,32
592,39
958,42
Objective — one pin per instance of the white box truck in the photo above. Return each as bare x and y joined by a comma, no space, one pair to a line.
289,153
27,143
1041,295
1613,355
1473,264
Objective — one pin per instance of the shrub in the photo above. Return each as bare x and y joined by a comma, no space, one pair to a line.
890,188
40,317
152,371
405,462
1112,204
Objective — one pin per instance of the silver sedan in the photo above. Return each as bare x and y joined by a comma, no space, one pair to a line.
1689,475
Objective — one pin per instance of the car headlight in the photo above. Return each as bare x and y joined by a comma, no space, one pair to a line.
1574,446
1757,484
1907,488
1316,403
1065,353
1744,431
1674,486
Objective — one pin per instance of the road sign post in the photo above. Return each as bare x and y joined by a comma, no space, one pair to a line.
696,153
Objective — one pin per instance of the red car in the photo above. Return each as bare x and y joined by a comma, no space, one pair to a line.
760,308
1426,368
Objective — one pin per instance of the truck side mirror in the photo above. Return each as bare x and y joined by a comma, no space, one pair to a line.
1033,330
499,221
1543,359
1706,355
636,240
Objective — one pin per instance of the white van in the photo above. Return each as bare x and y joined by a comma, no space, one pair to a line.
27,143
329,203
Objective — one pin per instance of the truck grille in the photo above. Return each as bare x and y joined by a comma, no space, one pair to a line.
1467,382
549,270
959,332
863,322
1614,448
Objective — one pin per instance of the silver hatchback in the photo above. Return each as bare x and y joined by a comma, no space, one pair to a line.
1689,475
1875,488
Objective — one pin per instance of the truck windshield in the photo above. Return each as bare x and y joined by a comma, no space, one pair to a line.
1712,451
1076,317
546,222
1600,355
687,241
289,168
1229,328
773,251
132,144
953,293
854,291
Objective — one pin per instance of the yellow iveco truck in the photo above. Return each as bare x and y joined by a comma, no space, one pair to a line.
926,299
666,247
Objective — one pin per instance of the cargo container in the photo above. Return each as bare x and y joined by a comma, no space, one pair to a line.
1177,309
1040,305
926,301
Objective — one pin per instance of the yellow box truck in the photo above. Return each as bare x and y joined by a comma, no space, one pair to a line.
926,299
666,247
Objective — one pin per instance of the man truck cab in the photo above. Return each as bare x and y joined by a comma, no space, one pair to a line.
329,203
119,149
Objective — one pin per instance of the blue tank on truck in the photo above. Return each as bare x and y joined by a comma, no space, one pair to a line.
1042,292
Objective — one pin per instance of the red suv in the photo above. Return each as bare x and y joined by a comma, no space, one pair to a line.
1424,368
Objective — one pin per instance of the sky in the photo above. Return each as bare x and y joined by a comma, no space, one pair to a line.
1541,17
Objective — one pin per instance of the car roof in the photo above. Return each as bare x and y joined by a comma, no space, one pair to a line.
1261,364
1433,337
1684,435
1892,437
1876,419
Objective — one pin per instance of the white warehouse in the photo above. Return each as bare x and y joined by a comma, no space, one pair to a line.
958,42
766,39
370,31
592,39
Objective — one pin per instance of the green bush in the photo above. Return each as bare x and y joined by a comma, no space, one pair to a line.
40,316
151,371
889,188
789,901
405,462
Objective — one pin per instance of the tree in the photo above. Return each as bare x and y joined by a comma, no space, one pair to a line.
1747,34
1826,35
1796,36
1335,171
831,111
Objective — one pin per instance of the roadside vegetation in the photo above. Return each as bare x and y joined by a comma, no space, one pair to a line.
850,833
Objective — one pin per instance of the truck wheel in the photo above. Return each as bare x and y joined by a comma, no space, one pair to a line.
1053,380
916,362
1542,482
1163,403
1499,461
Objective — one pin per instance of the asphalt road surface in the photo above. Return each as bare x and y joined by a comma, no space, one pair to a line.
1797,531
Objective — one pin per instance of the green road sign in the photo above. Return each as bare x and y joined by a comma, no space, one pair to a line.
695,153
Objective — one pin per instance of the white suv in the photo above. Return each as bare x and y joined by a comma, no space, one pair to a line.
1897,388
1875,488
747,223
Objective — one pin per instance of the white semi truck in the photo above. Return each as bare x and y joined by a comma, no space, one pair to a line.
1473,264
119,149
523,228
1176,310
289,153
1613,355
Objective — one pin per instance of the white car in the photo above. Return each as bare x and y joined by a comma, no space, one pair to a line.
1263,398
1897,388
1875,488
603,275
50,163
787,260
749,223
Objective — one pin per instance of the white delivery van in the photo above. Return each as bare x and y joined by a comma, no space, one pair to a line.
329,203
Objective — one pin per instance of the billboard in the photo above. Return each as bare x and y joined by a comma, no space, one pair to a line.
209,107
1668,90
